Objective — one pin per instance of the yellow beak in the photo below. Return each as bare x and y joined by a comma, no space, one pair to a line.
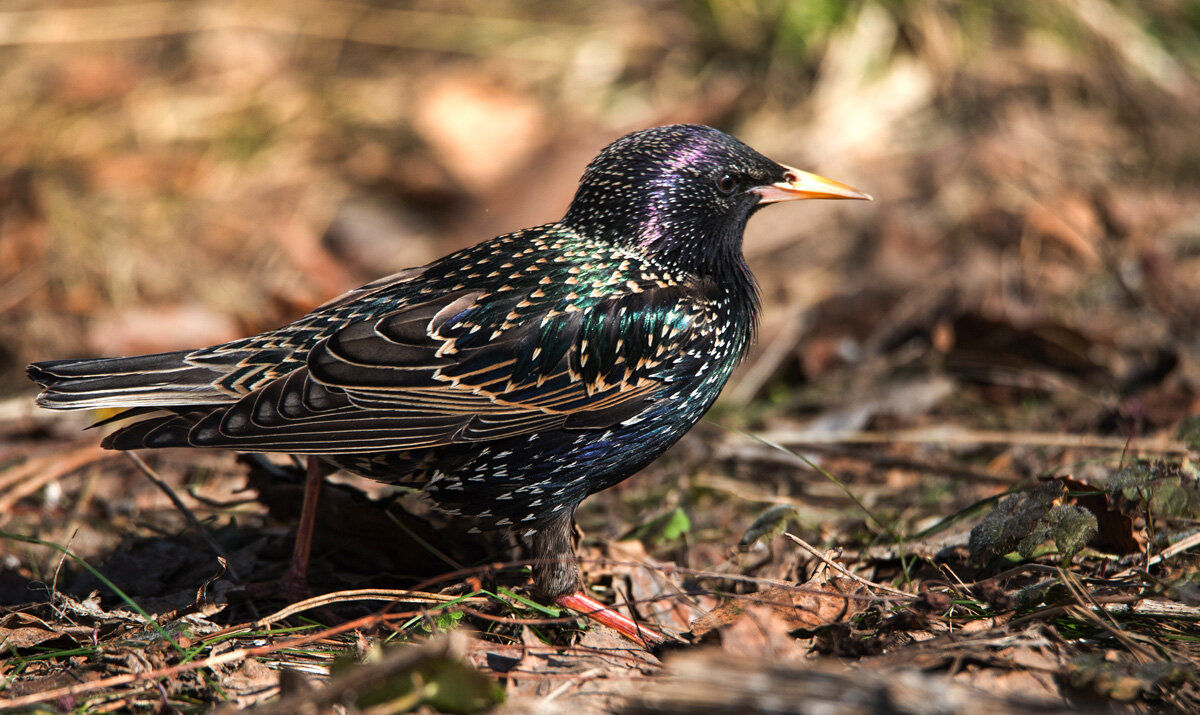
803,185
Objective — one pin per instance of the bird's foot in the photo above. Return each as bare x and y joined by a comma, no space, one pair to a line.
585,605
292,586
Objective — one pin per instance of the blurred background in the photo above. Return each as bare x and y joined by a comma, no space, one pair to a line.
182,173
175,174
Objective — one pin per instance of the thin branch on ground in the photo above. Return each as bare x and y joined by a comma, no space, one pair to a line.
844,571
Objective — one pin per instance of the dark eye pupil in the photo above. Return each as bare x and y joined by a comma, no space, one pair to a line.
726,184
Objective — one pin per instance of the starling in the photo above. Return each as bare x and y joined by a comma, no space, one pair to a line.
509,380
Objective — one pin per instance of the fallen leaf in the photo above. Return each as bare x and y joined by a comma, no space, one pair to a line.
653,587
19,631
761,631
1024,521
807,607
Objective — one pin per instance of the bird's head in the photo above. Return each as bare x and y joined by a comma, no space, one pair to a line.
682,194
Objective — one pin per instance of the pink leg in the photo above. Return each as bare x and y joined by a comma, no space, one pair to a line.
296,577
584,604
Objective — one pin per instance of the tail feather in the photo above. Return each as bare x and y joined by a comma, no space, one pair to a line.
100,367
159,380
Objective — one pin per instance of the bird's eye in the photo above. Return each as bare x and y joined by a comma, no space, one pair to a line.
727,184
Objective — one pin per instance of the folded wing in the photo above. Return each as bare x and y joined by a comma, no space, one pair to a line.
459,367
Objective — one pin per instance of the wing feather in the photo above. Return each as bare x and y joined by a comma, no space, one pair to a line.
458,367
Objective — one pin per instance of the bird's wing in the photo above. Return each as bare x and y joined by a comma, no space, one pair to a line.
467,367
246,365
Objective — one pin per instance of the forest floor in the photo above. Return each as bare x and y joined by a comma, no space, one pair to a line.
956,474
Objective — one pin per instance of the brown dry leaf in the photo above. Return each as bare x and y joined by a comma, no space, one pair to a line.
711,681
1034,658
95,76
22,630
250,682
592,671
762,630
142,176
722,615
824,603
22,223
653,590
811,606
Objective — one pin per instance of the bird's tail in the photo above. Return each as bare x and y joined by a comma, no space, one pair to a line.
158,380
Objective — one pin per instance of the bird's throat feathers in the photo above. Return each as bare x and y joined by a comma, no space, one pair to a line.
716,258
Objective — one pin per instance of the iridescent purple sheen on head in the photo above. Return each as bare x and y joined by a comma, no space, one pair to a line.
652,232
685,156
660,189
657,192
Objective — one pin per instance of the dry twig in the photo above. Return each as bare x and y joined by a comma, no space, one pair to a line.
842,569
